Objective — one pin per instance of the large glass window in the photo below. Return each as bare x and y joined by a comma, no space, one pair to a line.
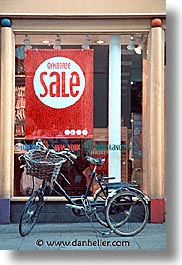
97,146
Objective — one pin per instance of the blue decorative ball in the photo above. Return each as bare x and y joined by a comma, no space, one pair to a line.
6,22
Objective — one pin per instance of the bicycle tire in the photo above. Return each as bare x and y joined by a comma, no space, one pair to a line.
30,214
100,210
100,197
127,213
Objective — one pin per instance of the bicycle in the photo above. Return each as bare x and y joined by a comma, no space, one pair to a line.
46,164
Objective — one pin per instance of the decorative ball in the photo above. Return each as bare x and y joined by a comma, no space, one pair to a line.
84,132
67,132
72,132
156,22
6,22
78,132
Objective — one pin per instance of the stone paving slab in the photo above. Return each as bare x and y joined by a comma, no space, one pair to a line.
80,236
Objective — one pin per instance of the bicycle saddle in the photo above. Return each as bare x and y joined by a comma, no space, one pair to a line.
95,161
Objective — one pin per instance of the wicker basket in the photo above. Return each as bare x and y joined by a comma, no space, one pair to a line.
43,166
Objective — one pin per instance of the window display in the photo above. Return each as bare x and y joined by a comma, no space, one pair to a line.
53,102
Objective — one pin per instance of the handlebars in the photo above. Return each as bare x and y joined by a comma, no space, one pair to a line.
65,153
69,155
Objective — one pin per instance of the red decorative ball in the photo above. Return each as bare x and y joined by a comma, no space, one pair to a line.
156,22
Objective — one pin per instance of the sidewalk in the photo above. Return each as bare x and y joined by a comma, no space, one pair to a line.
80,236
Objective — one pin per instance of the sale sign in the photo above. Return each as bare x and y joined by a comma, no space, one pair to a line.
59,93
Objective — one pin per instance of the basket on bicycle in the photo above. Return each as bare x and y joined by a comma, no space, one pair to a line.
43,166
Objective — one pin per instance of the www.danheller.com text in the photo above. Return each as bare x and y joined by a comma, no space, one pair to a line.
82,243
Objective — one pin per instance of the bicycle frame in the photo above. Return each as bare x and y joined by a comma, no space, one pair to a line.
70,198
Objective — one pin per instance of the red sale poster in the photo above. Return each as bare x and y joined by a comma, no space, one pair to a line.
59,93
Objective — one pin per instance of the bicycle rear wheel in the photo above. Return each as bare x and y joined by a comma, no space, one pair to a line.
127,213
30,214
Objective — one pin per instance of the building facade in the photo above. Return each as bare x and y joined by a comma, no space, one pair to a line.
128,90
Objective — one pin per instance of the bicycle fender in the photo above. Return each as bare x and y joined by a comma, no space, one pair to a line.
111,195
140,193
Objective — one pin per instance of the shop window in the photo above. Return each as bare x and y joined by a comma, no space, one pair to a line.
97,146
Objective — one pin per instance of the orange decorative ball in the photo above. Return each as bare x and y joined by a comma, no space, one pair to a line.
156,22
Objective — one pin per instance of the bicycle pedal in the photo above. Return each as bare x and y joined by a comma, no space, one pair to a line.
76,207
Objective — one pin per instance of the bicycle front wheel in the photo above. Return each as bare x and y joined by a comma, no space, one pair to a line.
127,213
30,214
